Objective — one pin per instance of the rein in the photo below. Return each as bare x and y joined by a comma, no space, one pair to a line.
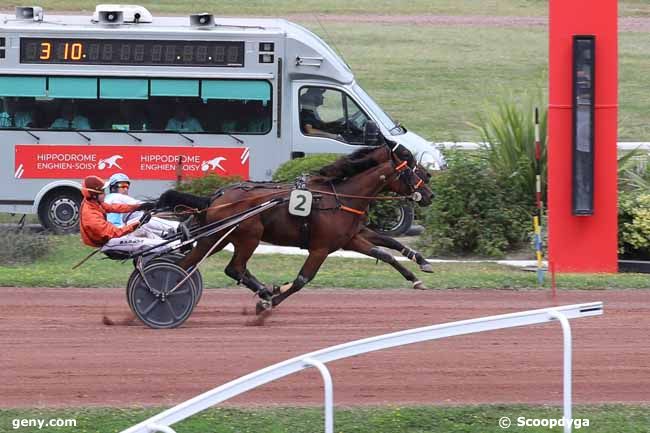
194,211
365,197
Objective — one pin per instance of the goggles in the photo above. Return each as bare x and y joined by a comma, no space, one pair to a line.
123,185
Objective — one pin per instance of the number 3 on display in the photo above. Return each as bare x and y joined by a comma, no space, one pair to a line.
300,202
46,51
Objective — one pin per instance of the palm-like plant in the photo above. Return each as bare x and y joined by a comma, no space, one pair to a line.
633,174
507,130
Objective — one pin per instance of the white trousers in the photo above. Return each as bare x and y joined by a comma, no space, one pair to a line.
156,226
142,239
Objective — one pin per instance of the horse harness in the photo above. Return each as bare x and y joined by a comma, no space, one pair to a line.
400,167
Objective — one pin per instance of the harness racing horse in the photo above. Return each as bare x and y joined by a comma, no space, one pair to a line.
342,193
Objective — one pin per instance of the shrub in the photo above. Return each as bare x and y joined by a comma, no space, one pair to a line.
475,211
634,224
206,185
290,170
21,246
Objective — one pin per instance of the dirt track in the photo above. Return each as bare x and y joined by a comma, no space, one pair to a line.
57,352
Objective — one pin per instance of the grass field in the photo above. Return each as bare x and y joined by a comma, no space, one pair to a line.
55,271
468,419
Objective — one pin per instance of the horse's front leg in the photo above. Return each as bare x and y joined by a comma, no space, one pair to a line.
307,273
388,242
363,246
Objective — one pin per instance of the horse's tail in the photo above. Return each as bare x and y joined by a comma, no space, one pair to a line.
171,198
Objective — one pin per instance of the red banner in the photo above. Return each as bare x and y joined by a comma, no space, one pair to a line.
138,162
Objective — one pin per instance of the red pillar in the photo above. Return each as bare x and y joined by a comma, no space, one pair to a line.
582,243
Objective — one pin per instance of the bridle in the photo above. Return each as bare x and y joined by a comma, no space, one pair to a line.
402,168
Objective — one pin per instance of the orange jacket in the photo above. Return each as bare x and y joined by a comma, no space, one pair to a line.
95,230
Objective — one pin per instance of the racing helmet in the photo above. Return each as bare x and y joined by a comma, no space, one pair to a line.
91,187
115,180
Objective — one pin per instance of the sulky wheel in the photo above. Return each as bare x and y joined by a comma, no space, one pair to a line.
154,303
129,283
196,277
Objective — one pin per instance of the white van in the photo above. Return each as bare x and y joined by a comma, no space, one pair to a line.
160,98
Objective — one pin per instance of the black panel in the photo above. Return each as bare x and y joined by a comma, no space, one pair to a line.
266,58
267,46
131,52
583,124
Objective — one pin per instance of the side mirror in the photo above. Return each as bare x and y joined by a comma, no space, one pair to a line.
371,134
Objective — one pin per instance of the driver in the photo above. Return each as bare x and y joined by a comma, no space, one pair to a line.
310,121
118,187
97,232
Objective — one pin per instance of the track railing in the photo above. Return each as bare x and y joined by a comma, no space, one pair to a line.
318,359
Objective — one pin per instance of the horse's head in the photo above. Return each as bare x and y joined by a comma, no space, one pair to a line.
398,166
409,178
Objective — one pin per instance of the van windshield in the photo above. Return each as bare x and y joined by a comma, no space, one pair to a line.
384,118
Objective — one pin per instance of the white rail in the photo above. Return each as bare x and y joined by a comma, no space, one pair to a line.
473,145
318,359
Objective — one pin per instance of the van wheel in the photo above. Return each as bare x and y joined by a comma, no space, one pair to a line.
391,220
59,212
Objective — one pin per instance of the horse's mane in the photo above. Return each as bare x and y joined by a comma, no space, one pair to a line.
347,166
171,198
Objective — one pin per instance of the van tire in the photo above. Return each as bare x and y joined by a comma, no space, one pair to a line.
59,211
395,224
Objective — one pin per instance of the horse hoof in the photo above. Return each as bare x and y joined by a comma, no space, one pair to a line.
263,306
418,285
426,268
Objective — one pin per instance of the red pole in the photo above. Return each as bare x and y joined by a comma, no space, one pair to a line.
553,283
582,243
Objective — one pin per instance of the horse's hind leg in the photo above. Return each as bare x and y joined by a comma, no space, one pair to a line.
307,273
236,269
388,242
363,246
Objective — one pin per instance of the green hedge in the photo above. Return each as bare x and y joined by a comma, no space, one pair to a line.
290,170
206,185
475,211
634,225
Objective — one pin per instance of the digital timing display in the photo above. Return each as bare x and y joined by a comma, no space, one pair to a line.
131,52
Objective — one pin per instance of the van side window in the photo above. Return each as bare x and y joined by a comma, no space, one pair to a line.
140,105
16,113
332,114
